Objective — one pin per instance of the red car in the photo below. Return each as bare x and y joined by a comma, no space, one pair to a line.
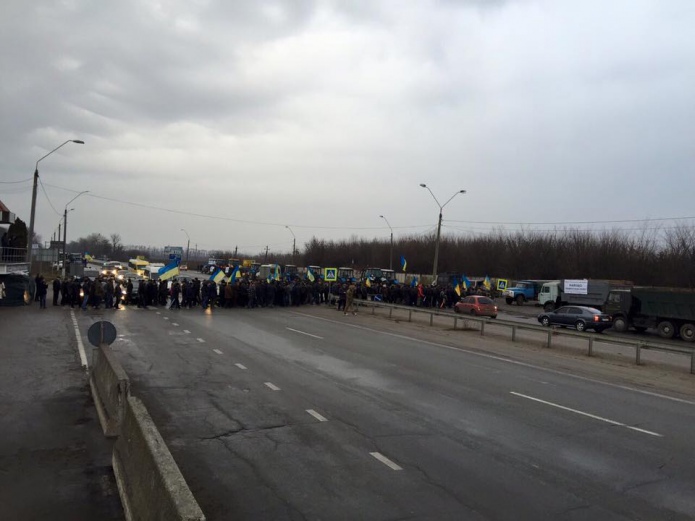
477,305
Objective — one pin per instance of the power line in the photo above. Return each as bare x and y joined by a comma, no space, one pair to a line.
15,182
574,222
564,230
231,219
314,227
47,198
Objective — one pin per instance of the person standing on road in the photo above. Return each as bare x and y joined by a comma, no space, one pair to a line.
342,297
56,290
175,290
41,290
349,300
85,293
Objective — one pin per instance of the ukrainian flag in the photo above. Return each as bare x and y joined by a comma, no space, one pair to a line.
457,289
465,282
487,283
368,283
169,271
234,274
217,275
404,263
310,275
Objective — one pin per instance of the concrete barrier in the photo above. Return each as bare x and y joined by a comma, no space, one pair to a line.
110,388
150,483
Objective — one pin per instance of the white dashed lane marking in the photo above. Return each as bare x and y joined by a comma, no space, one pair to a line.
200,340
241,366
174,324
217,351
386,461
80,345
304,333
166,318
317,415
272,386
589,415
187,331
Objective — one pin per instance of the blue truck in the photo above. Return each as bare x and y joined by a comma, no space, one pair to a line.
523,291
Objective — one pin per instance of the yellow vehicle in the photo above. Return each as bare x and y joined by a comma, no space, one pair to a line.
138,266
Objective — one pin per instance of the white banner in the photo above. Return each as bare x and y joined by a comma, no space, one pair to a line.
576,287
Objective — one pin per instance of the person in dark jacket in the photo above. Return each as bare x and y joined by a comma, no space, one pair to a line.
56,290
41,290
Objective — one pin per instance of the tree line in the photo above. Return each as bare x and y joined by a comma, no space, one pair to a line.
654,257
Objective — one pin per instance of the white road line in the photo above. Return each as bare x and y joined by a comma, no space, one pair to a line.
200,340
612,422
317,415
272,386
80,345
505,360
241,366
217,351
174,324
165,318
303,333
187,331
386,461
158,313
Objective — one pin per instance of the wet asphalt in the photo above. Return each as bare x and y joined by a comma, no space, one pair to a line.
54,460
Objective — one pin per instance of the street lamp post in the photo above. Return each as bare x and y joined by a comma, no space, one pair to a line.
33,196
65,231
391,250
294,245
188,245
439,227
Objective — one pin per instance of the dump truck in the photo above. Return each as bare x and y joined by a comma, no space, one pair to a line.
523,291
671,311
578,292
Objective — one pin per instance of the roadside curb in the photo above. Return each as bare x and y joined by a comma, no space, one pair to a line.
150,483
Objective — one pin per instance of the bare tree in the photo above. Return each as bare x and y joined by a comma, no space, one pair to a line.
116,244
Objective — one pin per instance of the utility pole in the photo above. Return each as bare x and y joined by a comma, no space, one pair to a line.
236,248
439,228
266,254
391,250
30,238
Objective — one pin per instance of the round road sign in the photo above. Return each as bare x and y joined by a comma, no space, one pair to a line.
101,332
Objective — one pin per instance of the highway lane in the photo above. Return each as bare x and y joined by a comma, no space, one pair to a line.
414,429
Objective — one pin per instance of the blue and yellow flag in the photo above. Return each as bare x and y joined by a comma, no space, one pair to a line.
310,275
169,271
404,263
277,272
217,275
457,289
234,274
368,283
413,282
465,282
487,283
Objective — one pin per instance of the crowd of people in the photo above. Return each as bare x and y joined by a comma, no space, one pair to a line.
244,292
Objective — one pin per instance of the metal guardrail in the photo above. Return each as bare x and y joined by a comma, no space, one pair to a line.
639,345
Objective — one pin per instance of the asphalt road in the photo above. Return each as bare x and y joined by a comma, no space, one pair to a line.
309,414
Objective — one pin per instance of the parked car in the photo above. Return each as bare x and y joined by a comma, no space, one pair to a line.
579,317
477,305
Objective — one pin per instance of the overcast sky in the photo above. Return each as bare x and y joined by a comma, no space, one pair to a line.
233,119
